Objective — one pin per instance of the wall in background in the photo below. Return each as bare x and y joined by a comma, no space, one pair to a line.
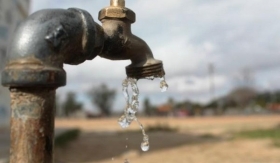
12,12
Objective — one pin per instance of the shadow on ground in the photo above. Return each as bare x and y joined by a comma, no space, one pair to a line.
91,147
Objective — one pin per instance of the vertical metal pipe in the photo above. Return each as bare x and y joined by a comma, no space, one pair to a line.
119,3
32,125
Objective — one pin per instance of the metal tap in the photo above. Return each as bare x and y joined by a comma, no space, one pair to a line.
121,44
41,45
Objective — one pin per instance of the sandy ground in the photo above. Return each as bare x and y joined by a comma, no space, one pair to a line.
198,140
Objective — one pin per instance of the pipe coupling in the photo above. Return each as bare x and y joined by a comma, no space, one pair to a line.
31,72
117,12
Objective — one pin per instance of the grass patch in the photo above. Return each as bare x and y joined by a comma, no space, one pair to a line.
273,134
260,134
66,137
207,136
161,127
276,143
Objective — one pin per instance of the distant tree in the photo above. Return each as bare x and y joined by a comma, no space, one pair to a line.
171,102
277,96
263,99
70,104
266,98
147,107
242,96
103,98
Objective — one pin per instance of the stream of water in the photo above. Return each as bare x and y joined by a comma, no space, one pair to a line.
132,107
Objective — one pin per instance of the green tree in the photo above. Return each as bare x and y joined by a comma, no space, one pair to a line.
171,102
242,96
277,96
70,104
103,98
147,107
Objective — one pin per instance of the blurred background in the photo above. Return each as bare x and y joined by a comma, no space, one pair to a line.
222,65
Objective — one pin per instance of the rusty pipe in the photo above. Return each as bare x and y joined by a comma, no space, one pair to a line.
32,125
121,44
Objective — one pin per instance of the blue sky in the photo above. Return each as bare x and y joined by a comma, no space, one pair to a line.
188,35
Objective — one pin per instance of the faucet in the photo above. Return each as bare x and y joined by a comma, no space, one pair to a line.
121,44
45,41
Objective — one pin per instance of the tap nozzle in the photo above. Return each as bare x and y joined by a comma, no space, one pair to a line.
118,3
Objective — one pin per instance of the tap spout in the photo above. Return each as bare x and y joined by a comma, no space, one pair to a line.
121,44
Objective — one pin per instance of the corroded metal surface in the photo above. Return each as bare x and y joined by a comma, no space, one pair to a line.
30,72
32,125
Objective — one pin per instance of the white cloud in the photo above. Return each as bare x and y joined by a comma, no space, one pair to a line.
194,84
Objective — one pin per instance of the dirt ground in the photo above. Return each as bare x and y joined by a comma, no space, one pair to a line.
198,140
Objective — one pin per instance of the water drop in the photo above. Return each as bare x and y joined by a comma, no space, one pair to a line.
123,121
150,78
145,146
163,85
164,88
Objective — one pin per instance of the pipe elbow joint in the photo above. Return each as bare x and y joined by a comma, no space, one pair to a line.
46,40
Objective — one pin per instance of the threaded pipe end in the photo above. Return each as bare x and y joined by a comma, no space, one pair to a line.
155,70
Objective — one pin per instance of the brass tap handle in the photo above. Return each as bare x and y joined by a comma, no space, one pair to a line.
118,3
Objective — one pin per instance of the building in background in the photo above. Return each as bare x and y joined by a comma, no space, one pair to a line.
12,12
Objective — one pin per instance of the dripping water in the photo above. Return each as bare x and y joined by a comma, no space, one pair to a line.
132,107
163,84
